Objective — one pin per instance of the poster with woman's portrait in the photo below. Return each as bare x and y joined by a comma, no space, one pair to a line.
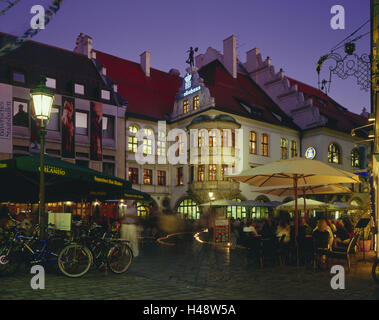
96,119
68,128
20,113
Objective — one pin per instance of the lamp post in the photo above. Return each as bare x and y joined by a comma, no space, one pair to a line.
42,99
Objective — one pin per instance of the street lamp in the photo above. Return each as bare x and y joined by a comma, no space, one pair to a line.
43,100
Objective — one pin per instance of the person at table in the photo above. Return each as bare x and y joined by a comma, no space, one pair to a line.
284,229
249,229
322,226
342,235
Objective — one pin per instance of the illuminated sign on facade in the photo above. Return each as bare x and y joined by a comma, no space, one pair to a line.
310,153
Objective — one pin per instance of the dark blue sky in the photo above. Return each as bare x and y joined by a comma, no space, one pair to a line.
294,33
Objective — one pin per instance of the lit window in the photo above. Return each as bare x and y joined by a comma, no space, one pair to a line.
185,106
214,138
133,175
196,103
188,208
293,149
133,129
201,173
81,123
283,149
264,145
334,154
161,175
161,145
253,142
212,172
148,142
132,144
142,210
147,176
236,212
79,88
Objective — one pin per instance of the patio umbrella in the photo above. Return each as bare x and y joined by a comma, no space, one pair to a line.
346,206
220,203
251,203
305,190
297,171
311,204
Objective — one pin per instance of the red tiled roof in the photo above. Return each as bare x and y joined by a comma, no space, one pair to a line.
339,118
229,93
152,97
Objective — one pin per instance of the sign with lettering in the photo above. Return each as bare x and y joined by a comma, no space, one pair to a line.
5,118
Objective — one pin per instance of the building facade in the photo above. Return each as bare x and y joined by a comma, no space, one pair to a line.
181,136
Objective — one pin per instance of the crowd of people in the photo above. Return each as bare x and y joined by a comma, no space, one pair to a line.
340,231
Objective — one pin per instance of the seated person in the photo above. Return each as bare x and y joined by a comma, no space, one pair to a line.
342,235
249,229
284,229
322,226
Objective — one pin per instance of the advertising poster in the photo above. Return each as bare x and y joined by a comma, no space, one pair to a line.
5,118
60,221
68,128
96,119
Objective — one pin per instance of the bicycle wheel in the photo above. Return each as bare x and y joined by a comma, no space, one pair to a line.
74,260
10,260
375,271
120,258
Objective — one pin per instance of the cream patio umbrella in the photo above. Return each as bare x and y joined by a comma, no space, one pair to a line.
304,190
311,204
297,171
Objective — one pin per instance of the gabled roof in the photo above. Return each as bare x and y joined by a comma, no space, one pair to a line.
242,96
339,118
150,97
34,58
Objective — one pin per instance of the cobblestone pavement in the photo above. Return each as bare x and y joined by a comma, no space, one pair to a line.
191,270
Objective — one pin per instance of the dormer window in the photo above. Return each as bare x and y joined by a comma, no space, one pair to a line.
18,77
105,95
51,83
79,88
185,106
196,103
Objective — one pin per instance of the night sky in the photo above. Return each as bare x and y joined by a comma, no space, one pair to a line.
293,33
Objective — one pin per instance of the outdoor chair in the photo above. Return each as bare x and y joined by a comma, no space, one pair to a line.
320,246
270,250
254,246
344,253
306,250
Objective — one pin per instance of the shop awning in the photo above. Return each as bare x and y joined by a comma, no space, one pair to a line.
64,181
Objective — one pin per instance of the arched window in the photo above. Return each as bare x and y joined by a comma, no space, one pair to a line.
236,211
260,212
142,210
283,149
189,208
334,154
355,161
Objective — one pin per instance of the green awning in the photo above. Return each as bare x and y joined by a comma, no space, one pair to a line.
64,182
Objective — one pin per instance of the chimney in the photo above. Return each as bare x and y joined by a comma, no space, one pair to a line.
145,63
84,45
230,55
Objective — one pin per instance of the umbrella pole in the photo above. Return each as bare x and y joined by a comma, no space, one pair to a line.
296,220
305,206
